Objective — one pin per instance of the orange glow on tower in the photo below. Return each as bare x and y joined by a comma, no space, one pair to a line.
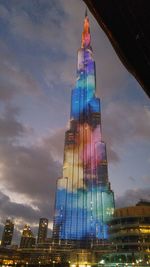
86,37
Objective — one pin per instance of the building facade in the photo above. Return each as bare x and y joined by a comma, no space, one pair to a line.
130,236
42,232
27,238
84,201
7,233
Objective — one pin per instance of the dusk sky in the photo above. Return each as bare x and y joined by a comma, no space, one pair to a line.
38,52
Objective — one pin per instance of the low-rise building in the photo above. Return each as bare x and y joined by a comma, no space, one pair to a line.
130,236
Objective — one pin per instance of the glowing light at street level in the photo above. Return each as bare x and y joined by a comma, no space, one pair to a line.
84,200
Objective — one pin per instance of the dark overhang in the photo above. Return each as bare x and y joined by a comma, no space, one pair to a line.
127,25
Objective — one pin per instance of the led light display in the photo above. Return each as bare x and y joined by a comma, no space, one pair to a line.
84,201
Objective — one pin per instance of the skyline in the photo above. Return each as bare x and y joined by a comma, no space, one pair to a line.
38,44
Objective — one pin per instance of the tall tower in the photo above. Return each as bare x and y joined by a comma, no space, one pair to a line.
84,201
42,232
7,233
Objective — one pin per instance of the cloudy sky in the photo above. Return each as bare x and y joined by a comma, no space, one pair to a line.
38,48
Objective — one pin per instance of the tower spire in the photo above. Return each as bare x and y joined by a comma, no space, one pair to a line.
86,12
86,37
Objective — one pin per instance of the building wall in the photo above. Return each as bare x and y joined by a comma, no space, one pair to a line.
7,233
42,232
130,235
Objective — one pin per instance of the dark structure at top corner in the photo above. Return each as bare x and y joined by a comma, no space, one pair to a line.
127,25
143,202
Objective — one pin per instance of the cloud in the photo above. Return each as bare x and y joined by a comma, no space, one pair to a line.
146,179
125,121
10,127
16,210
131,197
37,21
14,79
30,172
55,142
3,12
132,179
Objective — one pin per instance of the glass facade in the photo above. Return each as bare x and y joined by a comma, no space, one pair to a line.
7,233
84,201
42,232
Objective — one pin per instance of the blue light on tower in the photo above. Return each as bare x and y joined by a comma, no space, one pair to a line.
84,201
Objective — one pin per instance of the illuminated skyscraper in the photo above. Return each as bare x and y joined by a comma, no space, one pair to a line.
27,238
7,233
42,232
84,201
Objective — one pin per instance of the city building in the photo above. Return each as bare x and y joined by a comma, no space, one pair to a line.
42,232
84,200
27,238
7,233
130,236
